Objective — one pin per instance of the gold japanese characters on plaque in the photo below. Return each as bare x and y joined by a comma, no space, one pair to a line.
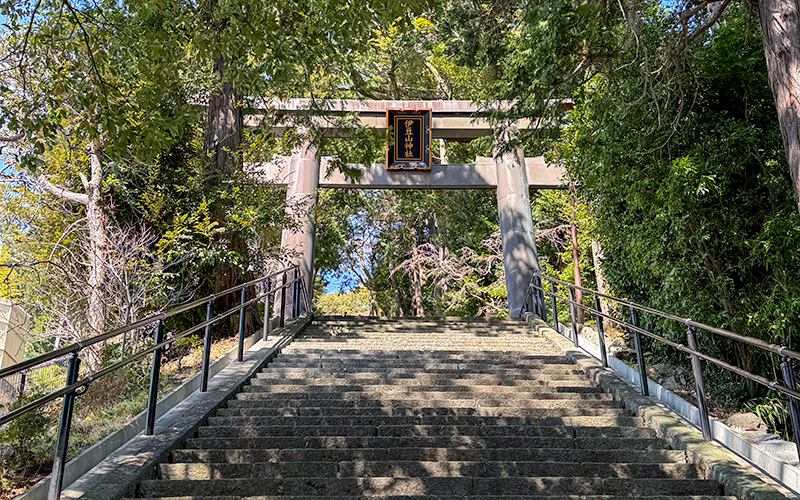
410,144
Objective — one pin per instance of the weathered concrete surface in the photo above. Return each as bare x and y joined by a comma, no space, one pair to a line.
116,477
13,328
297,240
479,175
719,463
520,259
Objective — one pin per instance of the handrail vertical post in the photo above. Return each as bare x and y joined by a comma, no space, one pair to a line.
207,347
267,306
283,298
529,302
64,425
601,334
295,294
702,404
240,351
554,304
787,369
305,296
540,295
572,316
155,371
637,343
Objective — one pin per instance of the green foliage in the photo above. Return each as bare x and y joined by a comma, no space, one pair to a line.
356,302
29,439
773,411
694,209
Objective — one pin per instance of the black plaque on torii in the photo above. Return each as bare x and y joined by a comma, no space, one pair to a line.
410,144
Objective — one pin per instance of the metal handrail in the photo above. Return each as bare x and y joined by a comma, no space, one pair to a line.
81,344
75,386
538,293
775,348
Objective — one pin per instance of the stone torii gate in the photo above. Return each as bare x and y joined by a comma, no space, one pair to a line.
508,171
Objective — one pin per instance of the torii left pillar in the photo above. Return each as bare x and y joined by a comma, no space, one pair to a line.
297,241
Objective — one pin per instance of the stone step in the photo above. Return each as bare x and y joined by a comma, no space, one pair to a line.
434,344
456,327
283,454
418,358
254,417
412,384
389,370
356,380
399,364
363,377
398,336
434,341
430,486
361,399
322,400
445,497
539,406
221,427
251,408
297,348
532,397
410,469
291,417
488,442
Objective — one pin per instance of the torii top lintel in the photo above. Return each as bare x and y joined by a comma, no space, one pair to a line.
453,120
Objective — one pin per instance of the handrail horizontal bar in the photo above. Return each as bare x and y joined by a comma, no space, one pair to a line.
81,344
682,348
761,344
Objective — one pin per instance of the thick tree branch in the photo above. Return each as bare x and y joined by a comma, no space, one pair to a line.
361,86
62,193
13,138
711,22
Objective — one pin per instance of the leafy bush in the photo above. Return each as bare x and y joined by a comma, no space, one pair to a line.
26,443
774,411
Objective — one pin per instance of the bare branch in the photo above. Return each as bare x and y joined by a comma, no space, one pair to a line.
62,193
28,31
711,22
13,138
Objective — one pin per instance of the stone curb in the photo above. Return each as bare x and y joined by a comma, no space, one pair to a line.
118,475
718,463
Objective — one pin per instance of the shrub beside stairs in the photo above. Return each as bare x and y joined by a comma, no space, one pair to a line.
426,409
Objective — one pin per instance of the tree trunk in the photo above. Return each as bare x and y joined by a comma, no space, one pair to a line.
602,287
576,265
223,134
780,27
443,152
416,286
98,249
398,306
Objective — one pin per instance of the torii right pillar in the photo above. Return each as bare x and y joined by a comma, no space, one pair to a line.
520,259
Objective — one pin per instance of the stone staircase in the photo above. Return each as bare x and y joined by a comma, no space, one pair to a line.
425,409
